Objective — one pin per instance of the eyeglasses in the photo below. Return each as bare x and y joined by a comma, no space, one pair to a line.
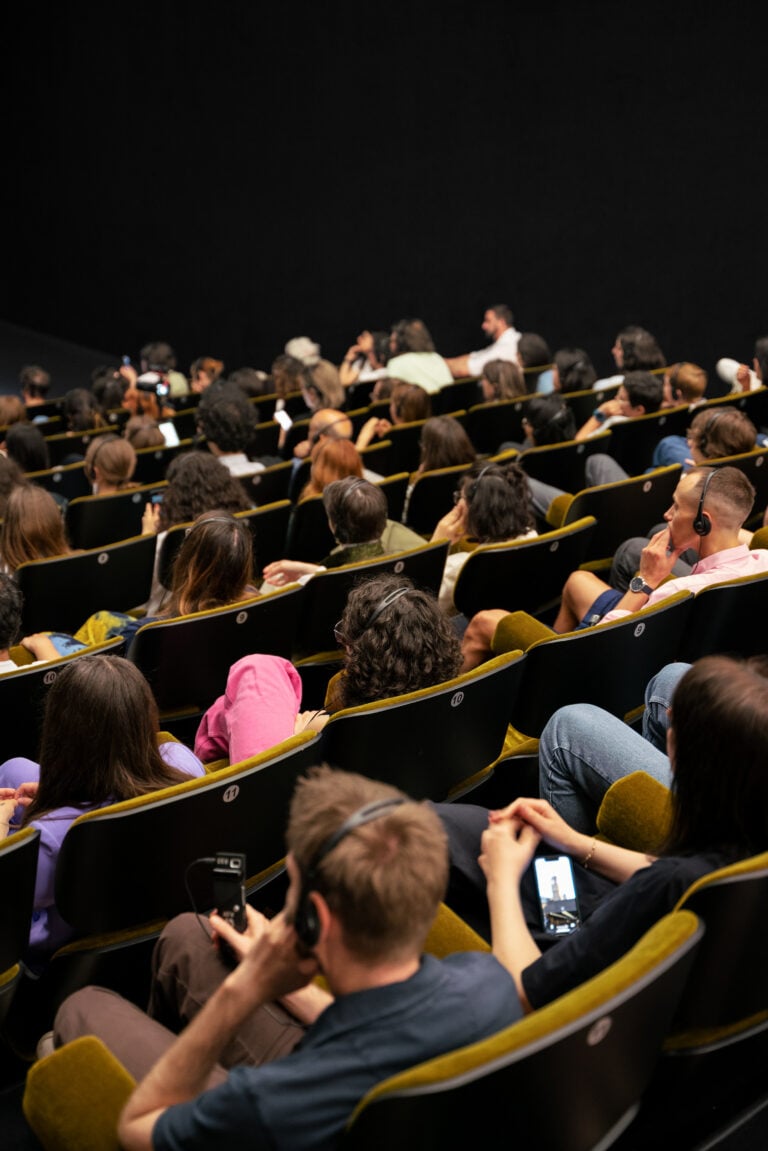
338,635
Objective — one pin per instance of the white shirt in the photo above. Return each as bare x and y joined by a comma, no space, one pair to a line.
238,464
505,348
427,369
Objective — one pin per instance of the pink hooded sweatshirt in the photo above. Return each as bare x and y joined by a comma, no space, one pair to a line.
257,711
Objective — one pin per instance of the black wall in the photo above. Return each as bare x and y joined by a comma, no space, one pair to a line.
230,178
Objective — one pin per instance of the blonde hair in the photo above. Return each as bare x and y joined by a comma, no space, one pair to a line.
33,527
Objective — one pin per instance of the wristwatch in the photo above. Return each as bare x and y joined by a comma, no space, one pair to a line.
637,584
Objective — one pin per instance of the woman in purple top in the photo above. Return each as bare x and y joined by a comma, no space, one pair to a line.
98,746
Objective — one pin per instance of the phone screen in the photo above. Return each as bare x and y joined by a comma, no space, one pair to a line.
556,886
284,420
170,435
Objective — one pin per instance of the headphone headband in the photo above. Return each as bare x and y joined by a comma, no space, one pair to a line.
702,524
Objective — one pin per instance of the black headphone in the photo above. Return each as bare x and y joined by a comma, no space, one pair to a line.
305,921
704,434
472,491
91,471
702,524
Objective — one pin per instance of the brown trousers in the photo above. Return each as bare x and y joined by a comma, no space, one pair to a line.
186,970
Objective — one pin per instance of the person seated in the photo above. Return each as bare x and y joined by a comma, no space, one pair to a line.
365,361
11,476
110,462
501,380
80,411
265,1057
635,349
708,509
443,444
493,505
261,704
227,421
203,372
408,403
572,371
741,377
357,517
213,568
143,432
32,528
547,420
535,360
718,817
11,608
332,459
12,411
413,358
712,434
84,766
26,444
639,393
158,356
34,385
684,383
498,327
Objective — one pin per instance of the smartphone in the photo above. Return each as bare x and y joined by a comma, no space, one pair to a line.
127,361
284,420
170,435
556,887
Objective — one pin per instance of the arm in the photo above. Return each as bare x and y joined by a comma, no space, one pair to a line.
285,571
40,645
269,969
372,427
614,862
150,520
7,808
596,421
458,366
656,562
507,847
453,525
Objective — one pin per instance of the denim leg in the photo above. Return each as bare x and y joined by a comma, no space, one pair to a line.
582,751
658,700
541,496
602,469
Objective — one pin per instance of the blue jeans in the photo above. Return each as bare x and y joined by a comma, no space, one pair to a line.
584,749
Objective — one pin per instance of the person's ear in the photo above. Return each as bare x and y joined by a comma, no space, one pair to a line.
671,746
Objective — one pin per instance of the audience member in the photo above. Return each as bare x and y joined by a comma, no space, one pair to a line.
143,432
34,385
634,350
741,377
80,411
572,371
535,359
638,394
493,505
26,445
501,380
203,372
444,444
332,459
684,383
84,766
110,462
367,870
708,509
408,403
720,715
12,410
366,360
498,327
227,421
32,528
413,358
11,476
158,356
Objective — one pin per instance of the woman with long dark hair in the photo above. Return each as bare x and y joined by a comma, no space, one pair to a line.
98,746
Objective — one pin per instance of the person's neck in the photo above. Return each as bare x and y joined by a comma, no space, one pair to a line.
718,541
348,974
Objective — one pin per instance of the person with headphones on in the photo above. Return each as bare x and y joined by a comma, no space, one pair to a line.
110,462
266,1058
709,506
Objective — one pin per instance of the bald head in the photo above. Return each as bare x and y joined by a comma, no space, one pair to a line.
331,423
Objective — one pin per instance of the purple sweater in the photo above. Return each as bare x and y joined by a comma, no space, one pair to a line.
49,930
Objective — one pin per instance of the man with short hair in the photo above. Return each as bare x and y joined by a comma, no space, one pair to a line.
504,336
708,509
367,868
638,394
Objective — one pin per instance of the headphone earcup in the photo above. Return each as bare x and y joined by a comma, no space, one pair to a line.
702,525
306,923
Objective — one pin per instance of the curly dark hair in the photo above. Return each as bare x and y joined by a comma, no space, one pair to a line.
11,604
498,502
409,645
226,418
197,483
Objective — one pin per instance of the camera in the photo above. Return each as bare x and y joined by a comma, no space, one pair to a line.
155,383
229,888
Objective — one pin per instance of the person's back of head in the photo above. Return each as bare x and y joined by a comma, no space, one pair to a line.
761,359
327,384
444,444
81,411
408,403
214,565
687,382
11,476
382,877
303,349
356,510
329,423
12,410
26,446
34,383
226,418
114,755
396,640
410,336
11,606
533,351
640,350
110,462
719,749
498,502
198,482
33,527
505,380
332,460
549,420
725,431
251,381
287,375
644,390
143,432
575,370
157,356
